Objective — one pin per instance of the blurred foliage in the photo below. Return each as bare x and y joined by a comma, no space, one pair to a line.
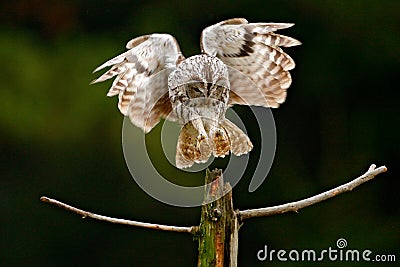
62,137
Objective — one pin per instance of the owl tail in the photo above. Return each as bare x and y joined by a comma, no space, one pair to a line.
201,138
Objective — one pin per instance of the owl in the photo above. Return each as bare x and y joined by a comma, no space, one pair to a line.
240,63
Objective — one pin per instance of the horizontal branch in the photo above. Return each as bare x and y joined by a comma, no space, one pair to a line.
295,206
85,214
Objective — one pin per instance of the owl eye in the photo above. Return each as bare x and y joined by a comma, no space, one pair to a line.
193,92
197,90
209,88
216,91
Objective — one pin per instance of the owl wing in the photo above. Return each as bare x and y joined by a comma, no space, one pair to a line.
258,67
141,81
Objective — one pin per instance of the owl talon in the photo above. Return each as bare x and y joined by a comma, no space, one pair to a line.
201,137
203,147
221,143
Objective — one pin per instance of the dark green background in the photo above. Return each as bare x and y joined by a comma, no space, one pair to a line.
61,137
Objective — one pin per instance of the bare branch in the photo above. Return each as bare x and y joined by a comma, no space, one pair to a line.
295,206
85,214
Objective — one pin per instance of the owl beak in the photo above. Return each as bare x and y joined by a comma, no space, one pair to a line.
208,89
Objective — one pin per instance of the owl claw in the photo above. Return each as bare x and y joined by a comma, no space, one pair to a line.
203,147
201,140
221,144
201,137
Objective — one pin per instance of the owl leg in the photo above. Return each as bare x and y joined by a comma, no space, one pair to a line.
199,126
199,139
192,146
203,144
219,138
239,142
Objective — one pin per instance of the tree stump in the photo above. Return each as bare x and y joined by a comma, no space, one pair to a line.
218,230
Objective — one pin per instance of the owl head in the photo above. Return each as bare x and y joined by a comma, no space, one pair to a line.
199,87
200,76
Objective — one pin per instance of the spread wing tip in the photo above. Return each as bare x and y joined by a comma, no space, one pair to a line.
136,41
93,81
99,68
296,42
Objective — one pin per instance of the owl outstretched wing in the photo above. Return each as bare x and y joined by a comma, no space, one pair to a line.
141,81
258,67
